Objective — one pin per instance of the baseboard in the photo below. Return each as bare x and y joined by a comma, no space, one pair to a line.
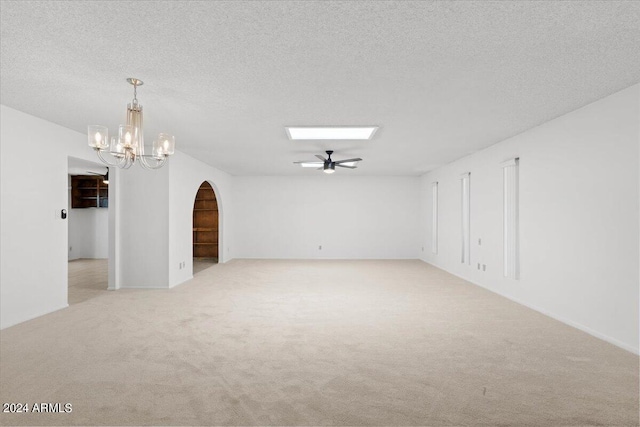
35,316
562,319
144,287
326,259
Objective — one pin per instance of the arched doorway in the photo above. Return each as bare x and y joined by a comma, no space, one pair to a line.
205,228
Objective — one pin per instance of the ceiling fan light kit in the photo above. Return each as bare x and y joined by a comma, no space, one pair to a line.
129,146
328,165
105,177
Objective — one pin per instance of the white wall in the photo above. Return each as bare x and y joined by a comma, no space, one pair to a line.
33,237
144,227
579,209
351,217
185,176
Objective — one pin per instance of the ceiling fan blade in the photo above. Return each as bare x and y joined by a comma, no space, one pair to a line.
321,158
345,166
348,160
313,164
308,161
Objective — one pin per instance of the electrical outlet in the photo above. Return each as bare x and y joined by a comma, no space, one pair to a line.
478,266
320,247
423,249
484,267
479,242
70,248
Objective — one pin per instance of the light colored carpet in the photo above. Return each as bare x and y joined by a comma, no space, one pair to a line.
200,264
256,342
88,278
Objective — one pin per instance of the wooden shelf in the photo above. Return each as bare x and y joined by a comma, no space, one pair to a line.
205,223
88,191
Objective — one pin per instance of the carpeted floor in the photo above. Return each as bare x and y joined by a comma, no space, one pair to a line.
200,264
256,342
87,279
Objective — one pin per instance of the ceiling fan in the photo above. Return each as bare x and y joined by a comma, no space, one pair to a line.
105,177
328,164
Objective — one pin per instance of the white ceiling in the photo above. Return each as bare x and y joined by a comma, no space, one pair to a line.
441,79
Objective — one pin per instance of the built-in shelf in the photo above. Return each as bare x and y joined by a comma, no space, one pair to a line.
89,191
205,223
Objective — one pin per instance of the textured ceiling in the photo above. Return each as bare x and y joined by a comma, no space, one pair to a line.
441,79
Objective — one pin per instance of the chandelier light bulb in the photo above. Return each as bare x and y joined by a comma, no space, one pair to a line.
165,145
98,137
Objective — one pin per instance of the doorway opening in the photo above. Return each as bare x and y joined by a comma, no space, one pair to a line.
205,228
88,230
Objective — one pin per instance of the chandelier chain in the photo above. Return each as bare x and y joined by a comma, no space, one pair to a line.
135,94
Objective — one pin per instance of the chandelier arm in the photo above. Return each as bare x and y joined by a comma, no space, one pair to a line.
145,164
119,160
132,158
129,160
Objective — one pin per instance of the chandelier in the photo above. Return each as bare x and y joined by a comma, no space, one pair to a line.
128,147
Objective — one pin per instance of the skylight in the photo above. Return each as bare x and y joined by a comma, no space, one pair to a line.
331,132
